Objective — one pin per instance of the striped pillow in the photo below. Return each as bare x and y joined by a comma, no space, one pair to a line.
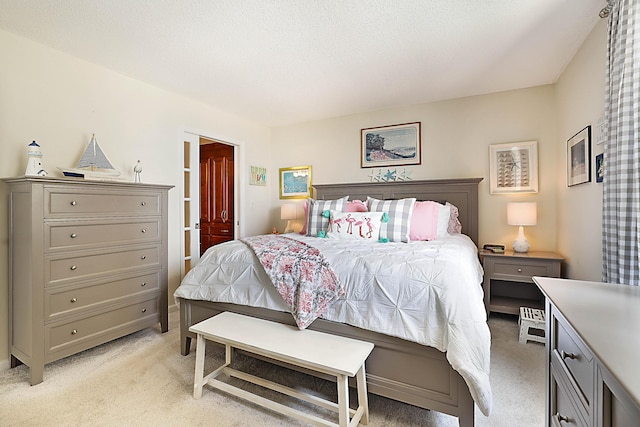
316,221
399,212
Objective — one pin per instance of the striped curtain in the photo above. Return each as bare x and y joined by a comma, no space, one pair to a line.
621,199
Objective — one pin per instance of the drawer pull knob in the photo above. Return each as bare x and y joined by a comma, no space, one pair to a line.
144,230
566,355
75,331
73,203
143,203
561,418
519,270
143,284
224,231
144,310
74,300
73,267
73,235
143,257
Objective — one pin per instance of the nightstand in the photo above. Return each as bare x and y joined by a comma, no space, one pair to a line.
508,283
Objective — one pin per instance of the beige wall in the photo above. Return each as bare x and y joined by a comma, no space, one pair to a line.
456,136
59,101
580,101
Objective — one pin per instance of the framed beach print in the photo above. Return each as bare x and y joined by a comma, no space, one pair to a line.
578,157
514,167
295,182
393,145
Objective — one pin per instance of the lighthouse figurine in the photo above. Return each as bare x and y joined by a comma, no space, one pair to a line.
34,161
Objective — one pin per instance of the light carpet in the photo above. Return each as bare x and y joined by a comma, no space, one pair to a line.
142,380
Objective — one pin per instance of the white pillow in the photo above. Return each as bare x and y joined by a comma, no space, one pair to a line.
355,225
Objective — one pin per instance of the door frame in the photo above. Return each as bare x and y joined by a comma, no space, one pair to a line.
194,191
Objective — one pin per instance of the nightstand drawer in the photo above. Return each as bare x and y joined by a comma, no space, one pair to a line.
518,272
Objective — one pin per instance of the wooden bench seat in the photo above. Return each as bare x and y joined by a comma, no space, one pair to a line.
328,354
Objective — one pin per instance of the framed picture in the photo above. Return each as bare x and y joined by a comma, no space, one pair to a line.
578,157
600,167
393,145
258,176
514,167
295,182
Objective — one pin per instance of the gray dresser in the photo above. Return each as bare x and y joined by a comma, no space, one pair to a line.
88,264
593,353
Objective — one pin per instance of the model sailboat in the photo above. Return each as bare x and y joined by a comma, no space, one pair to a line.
93,163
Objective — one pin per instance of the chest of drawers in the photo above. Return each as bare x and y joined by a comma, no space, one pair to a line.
88,264
593,378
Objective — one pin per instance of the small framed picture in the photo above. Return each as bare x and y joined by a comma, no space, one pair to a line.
388,146
600,167
579,157
514,167
295,182
258,176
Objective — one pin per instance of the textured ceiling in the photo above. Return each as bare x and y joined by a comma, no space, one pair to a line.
281,62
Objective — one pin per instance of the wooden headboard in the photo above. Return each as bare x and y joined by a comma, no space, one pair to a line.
461,192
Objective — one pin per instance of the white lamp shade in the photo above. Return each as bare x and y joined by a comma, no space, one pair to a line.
288,211
522,213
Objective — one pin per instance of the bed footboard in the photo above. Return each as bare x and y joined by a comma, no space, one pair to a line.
396,369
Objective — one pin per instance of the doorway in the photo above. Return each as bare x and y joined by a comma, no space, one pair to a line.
216,193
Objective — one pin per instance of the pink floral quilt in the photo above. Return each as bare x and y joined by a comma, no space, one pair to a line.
300,273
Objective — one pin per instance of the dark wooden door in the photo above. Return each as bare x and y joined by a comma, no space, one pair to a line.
216,194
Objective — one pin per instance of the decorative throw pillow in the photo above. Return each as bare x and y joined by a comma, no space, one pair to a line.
355,206
305,207
317,222
355,225
399,211
454,223
429,221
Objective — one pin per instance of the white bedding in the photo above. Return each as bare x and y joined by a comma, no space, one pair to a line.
426,292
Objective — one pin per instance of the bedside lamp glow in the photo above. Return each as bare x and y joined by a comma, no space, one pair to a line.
521,214
288,212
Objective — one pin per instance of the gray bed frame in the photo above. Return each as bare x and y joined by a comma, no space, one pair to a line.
397,369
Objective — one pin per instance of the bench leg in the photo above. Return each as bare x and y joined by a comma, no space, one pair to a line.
199,371
343,400
363,400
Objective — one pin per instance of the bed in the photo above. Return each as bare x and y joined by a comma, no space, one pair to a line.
398,368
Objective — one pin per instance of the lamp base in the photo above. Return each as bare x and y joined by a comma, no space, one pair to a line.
288,229
521,244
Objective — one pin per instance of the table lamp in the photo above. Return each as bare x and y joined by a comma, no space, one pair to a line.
288,211
521,214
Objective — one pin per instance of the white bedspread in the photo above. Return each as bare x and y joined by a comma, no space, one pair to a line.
426,292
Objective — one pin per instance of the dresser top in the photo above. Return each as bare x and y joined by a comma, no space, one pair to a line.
70,180
607,318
